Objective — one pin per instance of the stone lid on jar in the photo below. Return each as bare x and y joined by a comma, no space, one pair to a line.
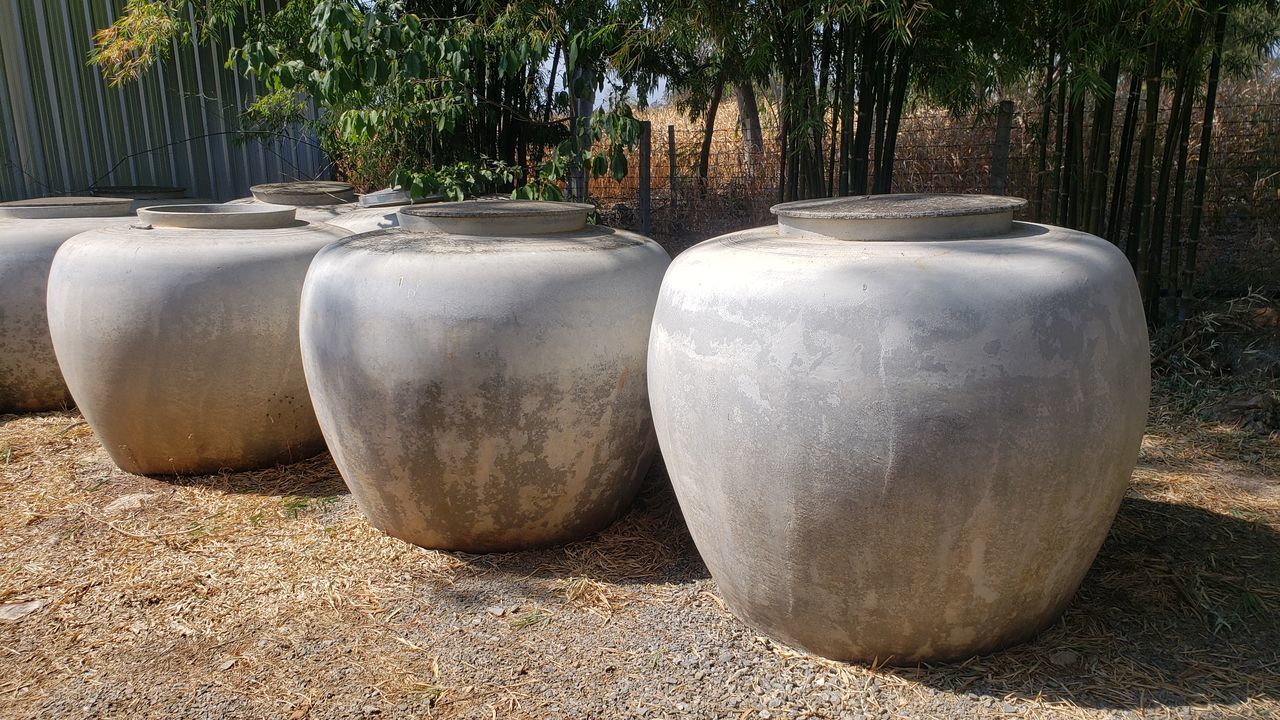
219,217
497,218
139,192
304,193
388,197
48,208
901,216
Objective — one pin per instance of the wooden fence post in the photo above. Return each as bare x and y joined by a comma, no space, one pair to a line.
646,158
671,162
999,182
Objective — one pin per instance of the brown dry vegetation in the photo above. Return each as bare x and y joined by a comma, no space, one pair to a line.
940,152
266,594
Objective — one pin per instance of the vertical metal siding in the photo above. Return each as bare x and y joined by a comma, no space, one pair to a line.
63,129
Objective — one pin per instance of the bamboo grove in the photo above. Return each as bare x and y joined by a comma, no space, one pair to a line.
536,96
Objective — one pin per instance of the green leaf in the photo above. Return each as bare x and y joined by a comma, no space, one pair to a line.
618,164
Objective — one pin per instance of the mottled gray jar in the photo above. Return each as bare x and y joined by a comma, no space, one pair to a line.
479,371
899,426
178,337
31,231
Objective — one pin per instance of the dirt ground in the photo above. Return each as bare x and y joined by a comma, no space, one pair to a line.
265,595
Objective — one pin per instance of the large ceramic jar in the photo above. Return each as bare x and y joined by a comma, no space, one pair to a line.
31,231
314,200
334,203
147,195
899,426
331,202
179,337
479,371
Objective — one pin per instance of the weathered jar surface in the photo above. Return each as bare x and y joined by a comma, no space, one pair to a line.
479,371
179,337
31,231
899,426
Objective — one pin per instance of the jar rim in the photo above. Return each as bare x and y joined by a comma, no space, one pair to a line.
898,206
66,206
139,192
497,217
213,216
304,193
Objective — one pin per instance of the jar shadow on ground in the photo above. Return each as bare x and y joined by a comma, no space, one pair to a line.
647,543
313,477
1174,612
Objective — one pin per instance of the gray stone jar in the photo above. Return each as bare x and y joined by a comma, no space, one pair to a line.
31,231
179,338
147,195
900,426
327,202
479,371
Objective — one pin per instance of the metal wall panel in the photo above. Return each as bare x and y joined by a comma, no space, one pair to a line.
63,129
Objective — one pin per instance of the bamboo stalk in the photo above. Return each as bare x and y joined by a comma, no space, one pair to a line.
884,87
1138,226
1120,191
1174,279
897,97
1155,252
1042,132
1202,166
1058,149
1100,155
868,65
846,90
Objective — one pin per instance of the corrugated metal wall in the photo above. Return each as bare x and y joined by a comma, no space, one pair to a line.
63,129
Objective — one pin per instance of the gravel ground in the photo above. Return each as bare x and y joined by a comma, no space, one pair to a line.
265,595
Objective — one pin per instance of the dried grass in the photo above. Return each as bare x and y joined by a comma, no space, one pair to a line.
265,594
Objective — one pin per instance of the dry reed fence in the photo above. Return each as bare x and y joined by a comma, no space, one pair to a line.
941,152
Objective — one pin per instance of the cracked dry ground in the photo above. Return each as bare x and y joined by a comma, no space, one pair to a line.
264,595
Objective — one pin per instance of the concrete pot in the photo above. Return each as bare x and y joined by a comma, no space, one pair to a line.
315,200
31,231
899,426
479,371
179,338
147,195
334,203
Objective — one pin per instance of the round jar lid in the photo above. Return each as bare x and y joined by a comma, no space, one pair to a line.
900,216
304,193
219,217
496,217
139,192
47,208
